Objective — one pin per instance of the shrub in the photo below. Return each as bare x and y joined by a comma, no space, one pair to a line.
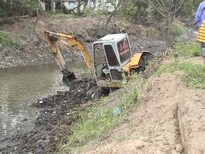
6,40
178,29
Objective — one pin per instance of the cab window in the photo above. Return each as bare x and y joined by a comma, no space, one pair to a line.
124,50
111,57
99,55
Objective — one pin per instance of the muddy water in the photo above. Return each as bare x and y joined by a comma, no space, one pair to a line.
19,87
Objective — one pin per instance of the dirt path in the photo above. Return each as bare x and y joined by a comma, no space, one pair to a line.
169,119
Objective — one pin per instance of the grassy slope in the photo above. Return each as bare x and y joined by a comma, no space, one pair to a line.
102,117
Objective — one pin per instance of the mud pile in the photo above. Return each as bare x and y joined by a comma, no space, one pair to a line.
56,113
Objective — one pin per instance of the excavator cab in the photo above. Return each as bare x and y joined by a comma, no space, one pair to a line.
110,54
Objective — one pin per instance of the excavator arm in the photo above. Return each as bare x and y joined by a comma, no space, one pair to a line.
53,38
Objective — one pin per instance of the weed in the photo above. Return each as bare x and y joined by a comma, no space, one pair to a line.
6,40
178,29
194,74
187,50
97,120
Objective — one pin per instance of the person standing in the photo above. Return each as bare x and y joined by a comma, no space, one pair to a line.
199,18
199,22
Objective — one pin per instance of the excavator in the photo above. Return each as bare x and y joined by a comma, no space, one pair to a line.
112,61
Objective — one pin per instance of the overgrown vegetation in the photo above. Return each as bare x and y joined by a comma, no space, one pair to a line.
191,49
178,29
6,40
193,73
99,119
18,8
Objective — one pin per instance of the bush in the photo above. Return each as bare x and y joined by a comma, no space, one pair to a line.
19,8
133,10
6,40
178,29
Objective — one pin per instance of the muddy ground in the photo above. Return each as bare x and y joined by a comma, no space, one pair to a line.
59,111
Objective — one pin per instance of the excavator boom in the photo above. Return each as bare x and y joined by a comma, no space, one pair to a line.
53,38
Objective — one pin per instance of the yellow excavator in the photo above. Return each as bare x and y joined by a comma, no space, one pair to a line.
112,61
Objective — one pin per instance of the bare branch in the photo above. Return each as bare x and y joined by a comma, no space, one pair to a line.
179,7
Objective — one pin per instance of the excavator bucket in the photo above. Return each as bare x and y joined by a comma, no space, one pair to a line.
68,77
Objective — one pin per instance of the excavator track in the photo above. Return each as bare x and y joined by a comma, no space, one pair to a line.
144,62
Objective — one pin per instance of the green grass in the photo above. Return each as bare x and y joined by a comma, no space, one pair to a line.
178,29
6,40
98,120
193,74
191,49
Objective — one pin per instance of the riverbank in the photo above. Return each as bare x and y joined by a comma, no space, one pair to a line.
59,112
34,49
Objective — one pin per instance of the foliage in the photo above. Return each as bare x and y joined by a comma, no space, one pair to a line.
187,49
6,40
187,9
178,29
18,7
193,74
133,9
97,120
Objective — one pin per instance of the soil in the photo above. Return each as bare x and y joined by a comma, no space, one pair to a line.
154,125
169,119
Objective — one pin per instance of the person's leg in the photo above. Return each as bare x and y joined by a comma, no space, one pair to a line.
203,57
203,52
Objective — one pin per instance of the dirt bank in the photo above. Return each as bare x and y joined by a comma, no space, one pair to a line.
169,119
88,29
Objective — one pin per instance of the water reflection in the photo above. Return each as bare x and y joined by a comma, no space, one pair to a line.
19,87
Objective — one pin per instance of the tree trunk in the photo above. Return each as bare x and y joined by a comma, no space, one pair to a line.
78,8
168,29
52,5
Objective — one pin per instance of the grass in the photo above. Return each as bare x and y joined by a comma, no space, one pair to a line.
178,29
193,74
99,119
191,49
6,40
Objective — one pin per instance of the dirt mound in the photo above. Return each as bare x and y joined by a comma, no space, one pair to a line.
169,118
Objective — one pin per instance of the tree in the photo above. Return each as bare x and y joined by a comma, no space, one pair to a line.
167,9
